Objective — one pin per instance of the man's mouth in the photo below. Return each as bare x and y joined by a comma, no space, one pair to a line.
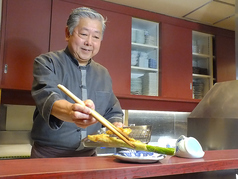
86,49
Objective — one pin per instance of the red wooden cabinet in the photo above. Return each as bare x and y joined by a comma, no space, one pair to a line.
32,27
175,62
25,35
115,53
225,58
115,48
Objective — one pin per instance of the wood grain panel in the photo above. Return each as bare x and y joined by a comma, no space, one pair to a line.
108,167
175,62
26,36
225,58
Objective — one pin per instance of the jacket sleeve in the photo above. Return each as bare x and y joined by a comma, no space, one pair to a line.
44,89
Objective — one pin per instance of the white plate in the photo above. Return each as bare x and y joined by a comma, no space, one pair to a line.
139,156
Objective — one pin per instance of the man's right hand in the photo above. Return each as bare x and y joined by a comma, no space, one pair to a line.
76,113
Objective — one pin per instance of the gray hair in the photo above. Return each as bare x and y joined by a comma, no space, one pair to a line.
84,12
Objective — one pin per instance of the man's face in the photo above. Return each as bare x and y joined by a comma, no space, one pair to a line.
85,41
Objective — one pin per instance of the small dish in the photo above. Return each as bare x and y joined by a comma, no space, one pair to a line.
138,156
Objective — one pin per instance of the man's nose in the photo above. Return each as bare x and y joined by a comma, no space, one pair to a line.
89,40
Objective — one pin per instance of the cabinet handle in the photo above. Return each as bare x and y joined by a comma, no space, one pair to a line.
191,86
5,68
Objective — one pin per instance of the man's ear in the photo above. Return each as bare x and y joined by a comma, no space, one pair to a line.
67,34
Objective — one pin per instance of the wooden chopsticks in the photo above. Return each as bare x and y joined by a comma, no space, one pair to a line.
97,116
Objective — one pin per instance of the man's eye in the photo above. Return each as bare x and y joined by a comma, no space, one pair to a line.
82,34
96,37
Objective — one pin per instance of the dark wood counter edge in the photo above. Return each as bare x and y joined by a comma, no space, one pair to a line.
133,102
144,97
108,167
140,102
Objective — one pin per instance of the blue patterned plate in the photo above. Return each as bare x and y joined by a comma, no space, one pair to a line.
138,156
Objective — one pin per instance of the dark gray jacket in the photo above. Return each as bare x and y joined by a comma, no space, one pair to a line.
86,82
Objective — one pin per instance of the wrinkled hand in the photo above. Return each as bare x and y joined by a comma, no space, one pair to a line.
81,114
118,124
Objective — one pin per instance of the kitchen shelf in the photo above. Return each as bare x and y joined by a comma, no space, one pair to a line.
201,76
144,57
139,69
202,53
143,47
199,55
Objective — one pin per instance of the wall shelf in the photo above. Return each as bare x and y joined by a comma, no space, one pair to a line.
202,53
144,57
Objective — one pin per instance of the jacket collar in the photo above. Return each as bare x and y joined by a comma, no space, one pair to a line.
74,60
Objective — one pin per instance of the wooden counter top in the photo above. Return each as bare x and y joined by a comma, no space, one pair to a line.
109,167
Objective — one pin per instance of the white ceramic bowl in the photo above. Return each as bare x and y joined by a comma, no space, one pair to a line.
188,147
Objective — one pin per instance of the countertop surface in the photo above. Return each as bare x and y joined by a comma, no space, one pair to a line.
109,167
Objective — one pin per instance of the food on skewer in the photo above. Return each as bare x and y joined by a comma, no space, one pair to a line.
115,142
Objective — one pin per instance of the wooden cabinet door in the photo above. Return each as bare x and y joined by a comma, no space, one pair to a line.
115,49
225,58
26,35
115,53
175,62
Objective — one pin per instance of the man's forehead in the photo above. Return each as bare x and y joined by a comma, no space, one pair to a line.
90,25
